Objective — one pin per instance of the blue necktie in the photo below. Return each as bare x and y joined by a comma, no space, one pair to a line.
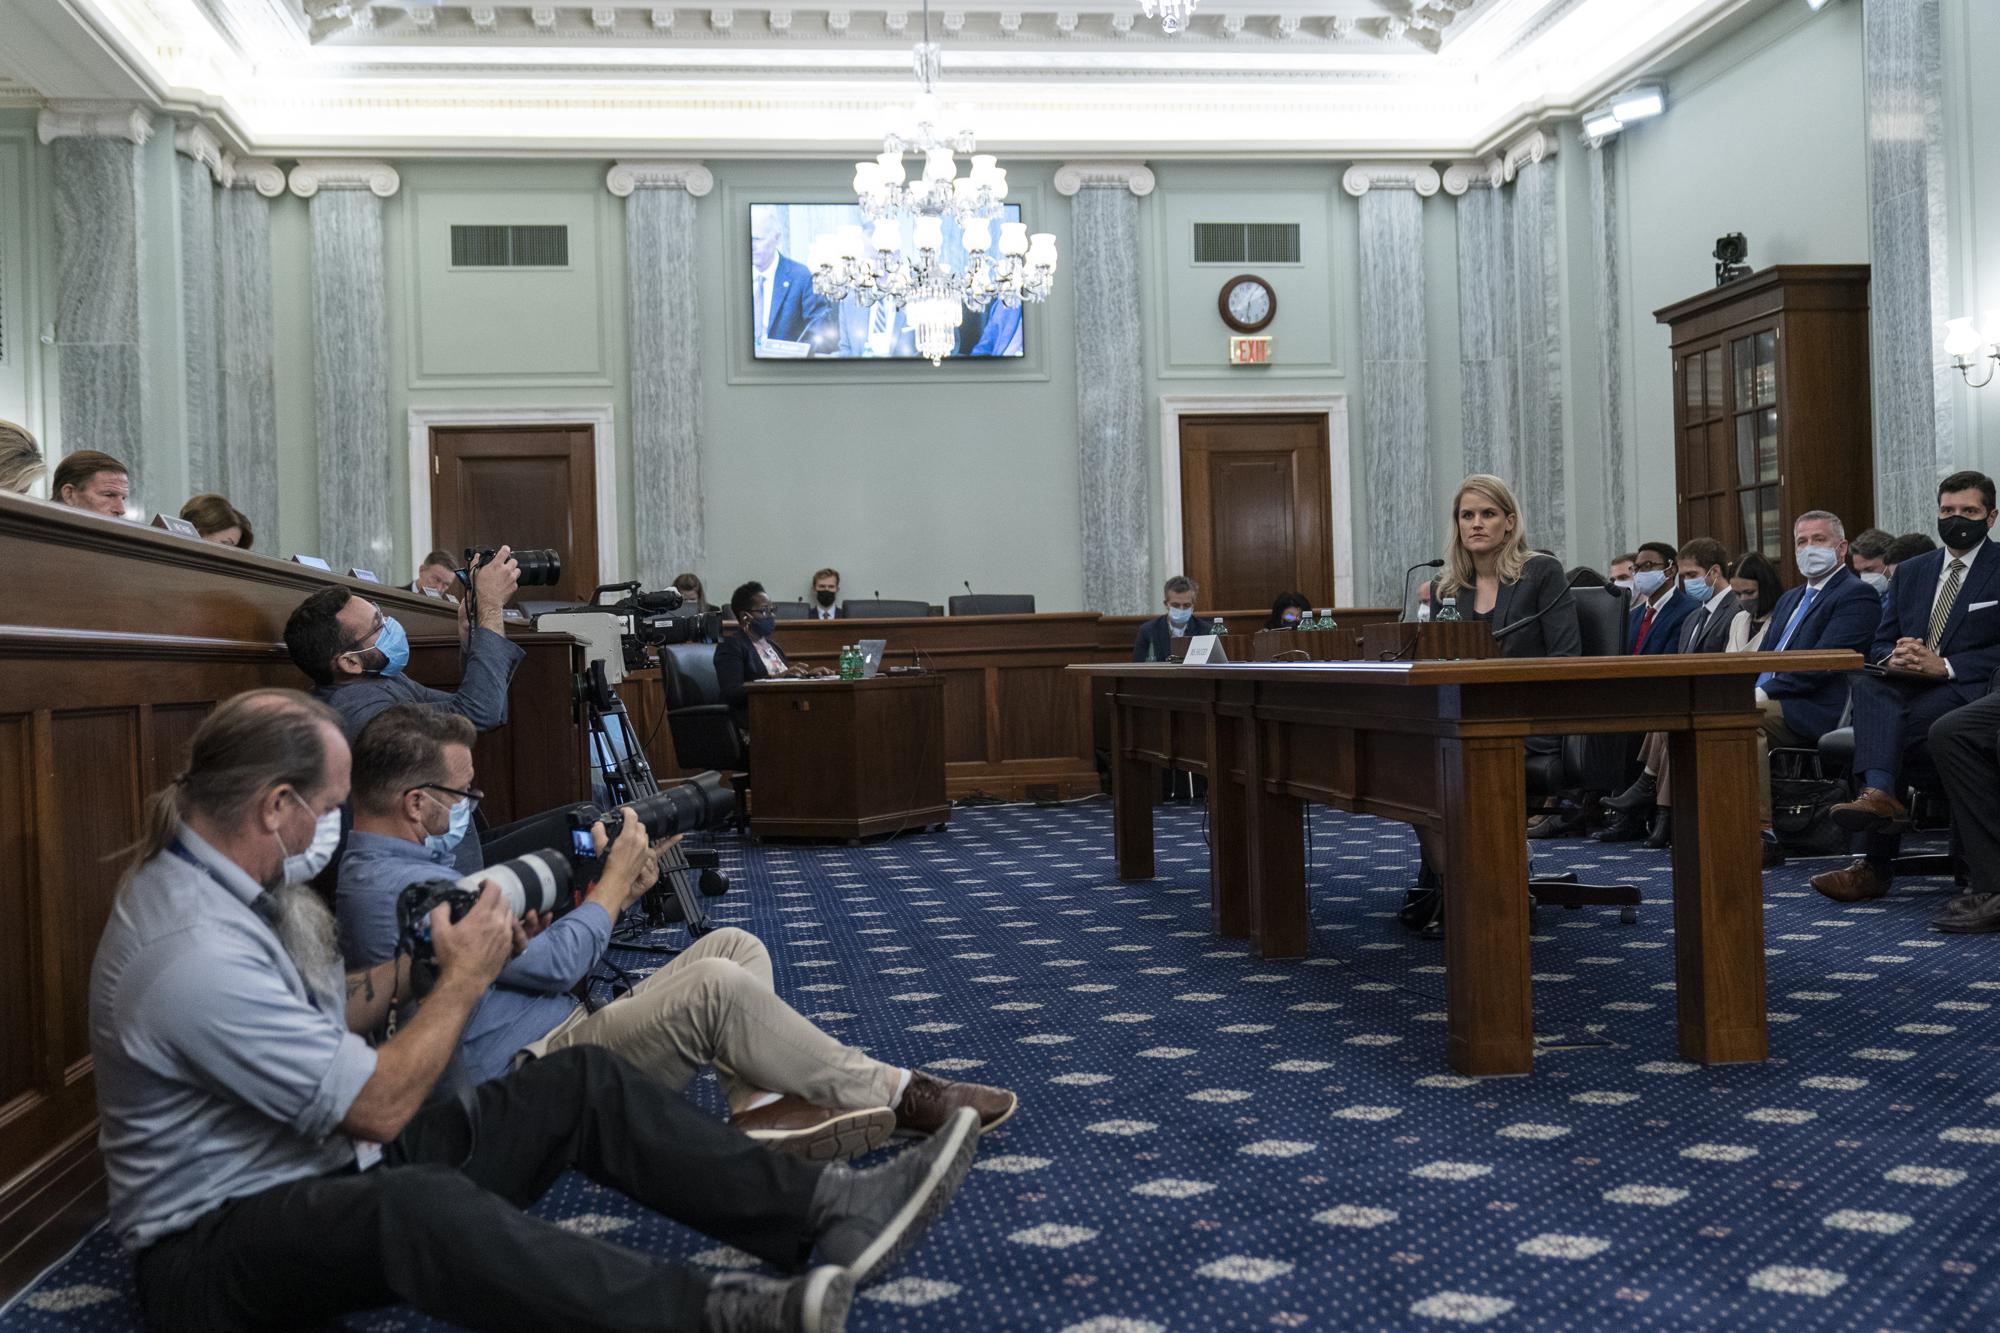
1791,628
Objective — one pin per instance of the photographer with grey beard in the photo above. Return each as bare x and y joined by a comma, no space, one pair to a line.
269,1168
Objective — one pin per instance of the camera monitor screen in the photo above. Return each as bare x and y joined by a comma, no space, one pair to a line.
790,321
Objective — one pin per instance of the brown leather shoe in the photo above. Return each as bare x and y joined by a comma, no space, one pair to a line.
817,1133
1856,883
1873,811
929,1101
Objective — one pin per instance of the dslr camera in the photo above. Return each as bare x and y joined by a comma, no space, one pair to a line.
555,877
540,567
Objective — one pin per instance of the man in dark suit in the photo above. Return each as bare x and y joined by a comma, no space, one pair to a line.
1940,636
1155,640
1660,605
1704,579
1833,608
785,306
1965,746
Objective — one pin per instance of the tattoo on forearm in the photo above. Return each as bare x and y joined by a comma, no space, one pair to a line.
362,984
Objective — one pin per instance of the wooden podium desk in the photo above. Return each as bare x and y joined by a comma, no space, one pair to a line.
847,758
1439,745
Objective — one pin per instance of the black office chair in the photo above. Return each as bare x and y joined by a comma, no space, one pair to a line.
791,611
993,604
1592,763
705,735
885,610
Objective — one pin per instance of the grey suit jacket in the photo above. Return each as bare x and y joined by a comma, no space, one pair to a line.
1707,631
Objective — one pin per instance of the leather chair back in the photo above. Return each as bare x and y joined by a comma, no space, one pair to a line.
993,604
689,669
886,609
791,610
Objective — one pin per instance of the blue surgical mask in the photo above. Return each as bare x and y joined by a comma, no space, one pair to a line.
394,644
1180,615
444,845
766,625
1814,561
1649,581
1696,588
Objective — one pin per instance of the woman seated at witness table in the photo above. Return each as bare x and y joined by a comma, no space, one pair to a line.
1758,589
1495,577
1285,612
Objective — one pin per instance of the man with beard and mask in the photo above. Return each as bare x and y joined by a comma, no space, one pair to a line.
267,1167
355,654
826,595
788,1084
1939,640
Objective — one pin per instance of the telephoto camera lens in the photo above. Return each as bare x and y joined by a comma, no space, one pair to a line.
534,882
540,567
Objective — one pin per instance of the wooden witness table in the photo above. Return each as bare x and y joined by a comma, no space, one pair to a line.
1439,745
847,758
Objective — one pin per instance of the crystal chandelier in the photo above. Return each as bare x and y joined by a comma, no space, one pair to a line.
1173,15
901,257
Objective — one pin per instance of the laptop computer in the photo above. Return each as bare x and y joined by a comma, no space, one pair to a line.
871,656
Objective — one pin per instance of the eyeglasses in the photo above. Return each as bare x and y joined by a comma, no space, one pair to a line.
1657,567
472,794
357,645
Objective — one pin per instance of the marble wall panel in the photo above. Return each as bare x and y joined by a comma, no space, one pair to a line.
666,383
98,333
195,193
1111,412
1908,291
351,379
246,381
1610,276
1486,328
1538,473
1396,484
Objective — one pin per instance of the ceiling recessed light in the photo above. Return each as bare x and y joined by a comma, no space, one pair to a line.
1601,123
1640,103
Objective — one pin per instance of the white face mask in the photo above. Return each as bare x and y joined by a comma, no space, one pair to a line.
1814,561
325,839
1877,580
1649,581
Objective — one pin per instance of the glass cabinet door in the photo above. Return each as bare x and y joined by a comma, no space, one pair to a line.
1754,413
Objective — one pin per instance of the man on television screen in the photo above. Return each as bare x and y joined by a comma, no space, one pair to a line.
785,307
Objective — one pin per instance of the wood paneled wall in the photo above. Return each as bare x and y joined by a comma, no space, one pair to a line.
115,641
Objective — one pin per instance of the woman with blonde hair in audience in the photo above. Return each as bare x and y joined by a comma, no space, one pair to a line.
20,459
218,521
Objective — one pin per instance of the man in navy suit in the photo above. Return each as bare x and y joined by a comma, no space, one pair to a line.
1155,640
785,307
1940,637
1654,627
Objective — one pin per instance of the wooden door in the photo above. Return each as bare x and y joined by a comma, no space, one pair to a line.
1707,467
1256,511
528,486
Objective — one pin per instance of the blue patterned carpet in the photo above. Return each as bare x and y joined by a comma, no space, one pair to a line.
1210,1141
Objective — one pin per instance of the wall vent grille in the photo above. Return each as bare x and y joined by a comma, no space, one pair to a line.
509,245
1246,242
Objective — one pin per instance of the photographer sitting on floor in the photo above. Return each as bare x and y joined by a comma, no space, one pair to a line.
788,1083
269,1168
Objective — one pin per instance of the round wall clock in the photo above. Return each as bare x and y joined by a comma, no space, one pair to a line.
1247,303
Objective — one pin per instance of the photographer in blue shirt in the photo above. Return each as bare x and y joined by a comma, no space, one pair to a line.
269,1168
789,1084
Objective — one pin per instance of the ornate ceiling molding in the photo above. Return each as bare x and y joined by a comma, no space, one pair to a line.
1362,177
60,121
1074,176
311,176
1530,148
658,174
260,174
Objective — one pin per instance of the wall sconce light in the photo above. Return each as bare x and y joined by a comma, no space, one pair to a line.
1967,347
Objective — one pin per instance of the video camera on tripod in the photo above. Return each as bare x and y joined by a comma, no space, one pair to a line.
618,633
555,876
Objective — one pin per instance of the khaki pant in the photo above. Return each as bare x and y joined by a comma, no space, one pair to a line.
1775,733
714,1005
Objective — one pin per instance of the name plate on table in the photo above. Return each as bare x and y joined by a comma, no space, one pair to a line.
180,527
312,562
1307,645
1204,650
1434,641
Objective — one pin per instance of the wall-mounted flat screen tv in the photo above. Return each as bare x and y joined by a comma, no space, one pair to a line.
789,321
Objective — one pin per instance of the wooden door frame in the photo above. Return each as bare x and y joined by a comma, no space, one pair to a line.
604,456
1339,467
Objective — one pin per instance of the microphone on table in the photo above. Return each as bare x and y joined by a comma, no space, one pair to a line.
967,585
878,594
1568,591
1426,564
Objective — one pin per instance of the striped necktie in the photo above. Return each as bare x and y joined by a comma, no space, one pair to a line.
1941,609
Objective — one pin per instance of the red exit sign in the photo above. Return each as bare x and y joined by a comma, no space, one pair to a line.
1250,351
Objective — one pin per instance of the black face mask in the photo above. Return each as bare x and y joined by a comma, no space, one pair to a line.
1961,533
826,596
